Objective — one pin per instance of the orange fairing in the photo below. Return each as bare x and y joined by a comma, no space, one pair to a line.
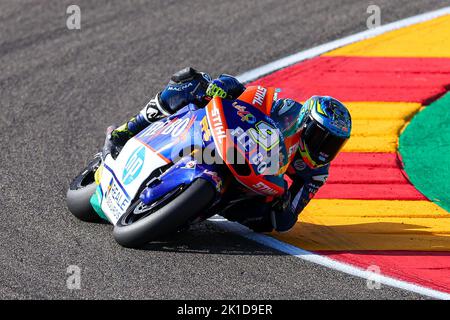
217,125
260,97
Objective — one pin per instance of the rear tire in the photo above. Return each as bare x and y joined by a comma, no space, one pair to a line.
80,191
186,206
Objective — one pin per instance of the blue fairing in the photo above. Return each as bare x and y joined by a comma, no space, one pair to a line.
183,173
170,137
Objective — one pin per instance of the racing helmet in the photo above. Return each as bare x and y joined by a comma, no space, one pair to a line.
325,126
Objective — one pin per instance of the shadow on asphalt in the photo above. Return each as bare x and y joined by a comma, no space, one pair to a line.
205,238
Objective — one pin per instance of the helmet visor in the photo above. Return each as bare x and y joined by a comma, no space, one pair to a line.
322,146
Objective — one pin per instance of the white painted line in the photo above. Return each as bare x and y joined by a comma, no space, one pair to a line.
307,255
324,261
313,52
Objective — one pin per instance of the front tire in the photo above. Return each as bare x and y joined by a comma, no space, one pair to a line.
186,206
80,191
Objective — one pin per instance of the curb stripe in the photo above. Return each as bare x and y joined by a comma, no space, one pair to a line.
366,79
313,52
348,225
300,253
421,266
324,261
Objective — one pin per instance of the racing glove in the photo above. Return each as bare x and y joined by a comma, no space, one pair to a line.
216,88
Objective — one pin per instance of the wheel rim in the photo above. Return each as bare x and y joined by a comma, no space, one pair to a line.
87,176
141,210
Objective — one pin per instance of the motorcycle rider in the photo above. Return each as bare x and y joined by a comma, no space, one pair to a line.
325,127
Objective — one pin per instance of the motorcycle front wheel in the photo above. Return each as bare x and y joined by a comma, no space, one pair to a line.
143,223
80,191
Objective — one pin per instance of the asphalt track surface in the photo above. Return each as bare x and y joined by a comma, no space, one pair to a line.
60,89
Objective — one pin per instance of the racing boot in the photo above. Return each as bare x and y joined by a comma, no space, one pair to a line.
150,113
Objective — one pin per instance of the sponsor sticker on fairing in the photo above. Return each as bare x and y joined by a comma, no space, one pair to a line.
116,199
264,188
259,96
245,115
217,124
134,165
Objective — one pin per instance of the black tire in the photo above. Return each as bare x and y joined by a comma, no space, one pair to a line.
186,206
80,191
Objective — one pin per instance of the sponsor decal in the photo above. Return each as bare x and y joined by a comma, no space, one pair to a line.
217,124
156,127
263,188
259,96
175,127
312,190
206,133
265,134
133,165
151,112
299,165
287,106
179,87
116,199
245,115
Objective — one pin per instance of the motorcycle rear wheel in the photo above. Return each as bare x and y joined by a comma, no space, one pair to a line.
186,205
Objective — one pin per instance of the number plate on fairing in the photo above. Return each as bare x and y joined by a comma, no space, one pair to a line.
116,199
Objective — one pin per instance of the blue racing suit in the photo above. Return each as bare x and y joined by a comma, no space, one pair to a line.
186,86
189,86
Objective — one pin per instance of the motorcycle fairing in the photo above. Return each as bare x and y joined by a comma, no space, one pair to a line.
235,126
122,178
260,97
168,136
263,98
155,147
184,172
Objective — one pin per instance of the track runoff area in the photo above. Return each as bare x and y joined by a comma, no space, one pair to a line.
369,220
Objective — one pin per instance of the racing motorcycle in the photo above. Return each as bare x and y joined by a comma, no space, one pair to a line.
185,168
